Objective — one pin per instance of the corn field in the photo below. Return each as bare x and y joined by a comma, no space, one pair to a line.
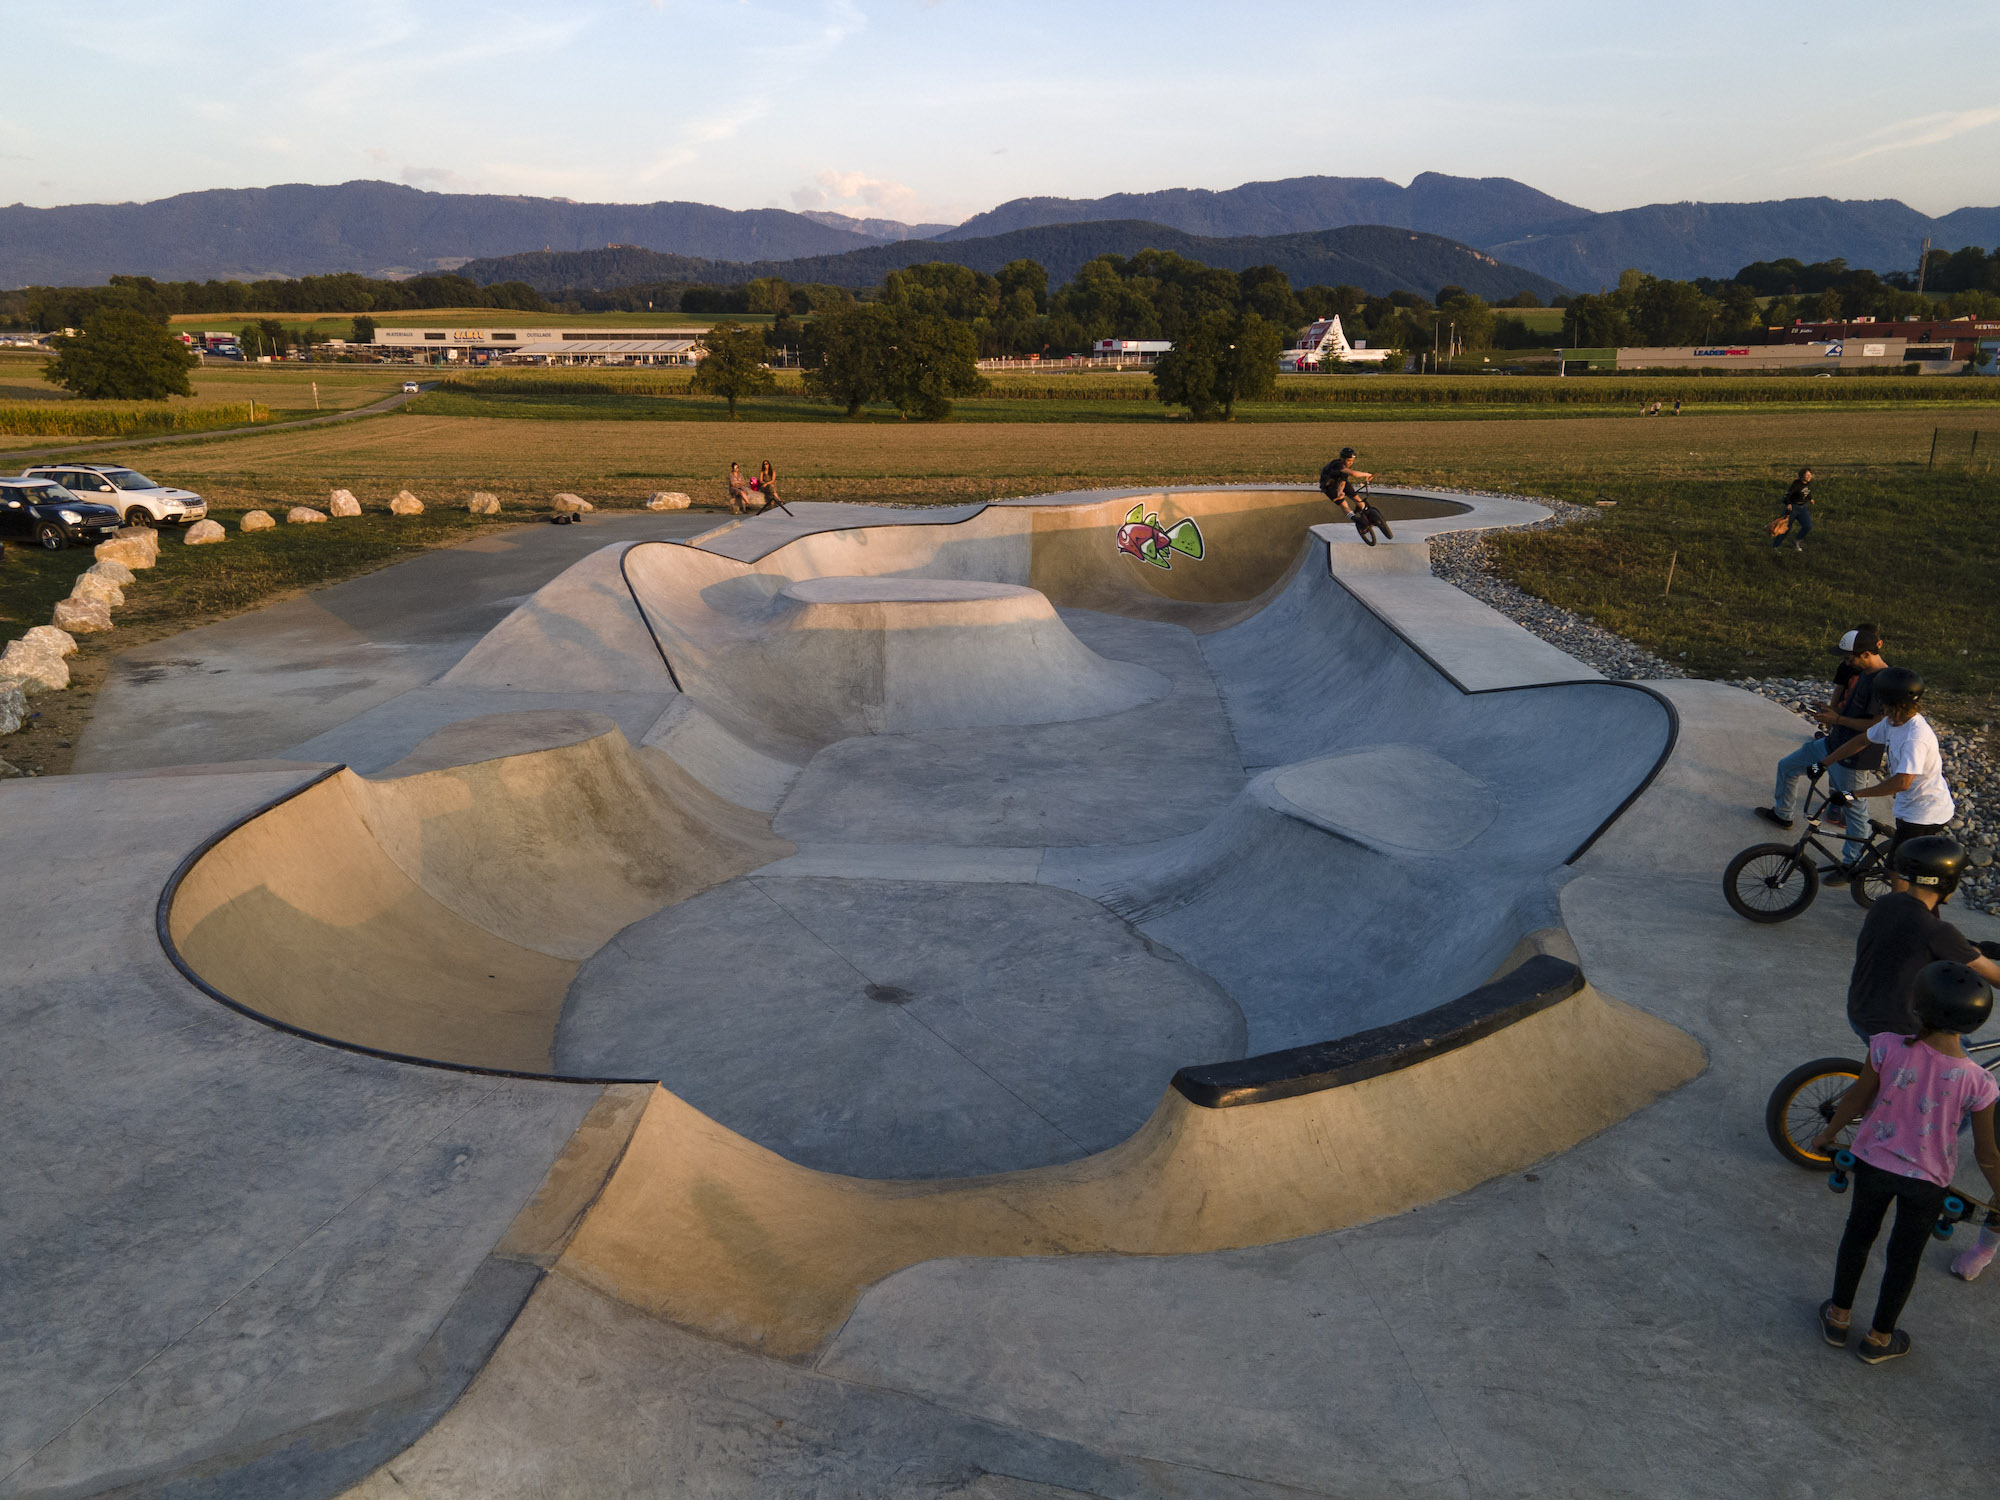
63,420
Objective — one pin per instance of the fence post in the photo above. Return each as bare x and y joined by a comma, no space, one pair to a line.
1931,463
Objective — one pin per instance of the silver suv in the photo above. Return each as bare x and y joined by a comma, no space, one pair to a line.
140,501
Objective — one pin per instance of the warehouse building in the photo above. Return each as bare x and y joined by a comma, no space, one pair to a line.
542,346
1819,357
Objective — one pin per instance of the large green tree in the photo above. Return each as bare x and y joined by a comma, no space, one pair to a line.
846,352
122,355
931,361
733,367
1225,358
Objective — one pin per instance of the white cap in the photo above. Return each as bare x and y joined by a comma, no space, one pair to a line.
1847,641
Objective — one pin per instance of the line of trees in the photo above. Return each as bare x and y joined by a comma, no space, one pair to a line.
51,307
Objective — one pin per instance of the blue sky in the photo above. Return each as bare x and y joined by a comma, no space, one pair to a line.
936,109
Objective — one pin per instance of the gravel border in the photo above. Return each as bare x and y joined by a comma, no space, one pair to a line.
1460,558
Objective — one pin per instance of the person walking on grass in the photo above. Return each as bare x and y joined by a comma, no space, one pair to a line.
1913,1095
1850,710
1914,770
1797,511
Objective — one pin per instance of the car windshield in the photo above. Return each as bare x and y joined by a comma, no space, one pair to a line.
128,479
51,494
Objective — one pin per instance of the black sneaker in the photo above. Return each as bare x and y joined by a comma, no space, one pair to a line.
1834,1333
1875,1354
1770,817
1838,875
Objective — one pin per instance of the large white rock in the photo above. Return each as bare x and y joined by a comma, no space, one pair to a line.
303,515
570,505
127,549
406,504
90,586
145,536
13,706
667,500
483,504
116,572
36,666
204,532
48,638
257,520
74,615
343,503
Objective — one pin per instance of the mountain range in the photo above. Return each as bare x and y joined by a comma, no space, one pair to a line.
1370,256
382,228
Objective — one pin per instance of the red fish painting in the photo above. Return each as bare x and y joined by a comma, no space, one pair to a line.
1143,537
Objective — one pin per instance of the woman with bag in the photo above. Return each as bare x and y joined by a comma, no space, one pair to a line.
1797,520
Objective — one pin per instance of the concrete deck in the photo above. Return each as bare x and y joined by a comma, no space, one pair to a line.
240,1262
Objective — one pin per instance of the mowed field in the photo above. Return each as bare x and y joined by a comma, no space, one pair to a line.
280,394
445,458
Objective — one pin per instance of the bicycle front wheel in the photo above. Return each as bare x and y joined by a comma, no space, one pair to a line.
1801,1105
1770,883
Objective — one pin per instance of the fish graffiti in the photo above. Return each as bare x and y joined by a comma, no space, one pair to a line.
1143,537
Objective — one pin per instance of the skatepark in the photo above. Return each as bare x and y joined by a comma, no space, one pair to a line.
924,1002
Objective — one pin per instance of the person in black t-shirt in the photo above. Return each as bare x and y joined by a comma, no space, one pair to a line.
1798,512
1336,482
1903,932
1849,711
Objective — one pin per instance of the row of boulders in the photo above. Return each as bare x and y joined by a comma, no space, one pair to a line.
38,661
343,503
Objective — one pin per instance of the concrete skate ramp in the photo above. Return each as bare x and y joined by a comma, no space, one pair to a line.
1398,832
701,1227
440,911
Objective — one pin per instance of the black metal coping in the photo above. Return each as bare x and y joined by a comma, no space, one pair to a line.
1539,983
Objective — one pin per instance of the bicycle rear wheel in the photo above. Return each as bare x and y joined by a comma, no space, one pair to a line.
1770,883
1801,1105
1367,532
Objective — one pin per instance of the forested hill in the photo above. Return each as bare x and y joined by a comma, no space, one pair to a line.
1377,259
375,228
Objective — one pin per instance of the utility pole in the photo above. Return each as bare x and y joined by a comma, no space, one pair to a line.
1923,264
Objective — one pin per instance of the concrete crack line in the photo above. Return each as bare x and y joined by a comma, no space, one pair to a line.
1464,1477
942,1040
178,1339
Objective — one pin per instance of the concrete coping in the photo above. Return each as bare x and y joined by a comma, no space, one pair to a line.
1544,980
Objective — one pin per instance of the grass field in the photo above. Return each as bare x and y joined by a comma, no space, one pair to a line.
281,395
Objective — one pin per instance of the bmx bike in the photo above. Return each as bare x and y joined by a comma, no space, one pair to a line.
1775,882
1368,520
1803,1102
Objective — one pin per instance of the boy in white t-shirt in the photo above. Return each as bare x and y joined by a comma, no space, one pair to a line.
1914,772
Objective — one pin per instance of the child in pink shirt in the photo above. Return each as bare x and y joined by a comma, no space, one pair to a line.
1913,1095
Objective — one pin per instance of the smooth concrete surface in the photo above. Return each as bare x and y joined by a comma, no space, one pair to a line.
898,1028
256,684
1469,1276
227,1251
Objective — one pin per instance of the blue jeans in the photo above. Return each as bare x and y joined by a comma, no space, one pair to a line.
1840,778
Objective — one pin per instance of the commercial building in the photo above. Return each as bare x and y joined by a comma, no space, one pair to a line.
1819,356
1139,351
1962,337
1325,343
549,346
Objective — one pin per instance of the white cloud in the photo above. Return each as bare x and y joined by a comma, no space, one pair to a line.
438,180
862,196
1921,130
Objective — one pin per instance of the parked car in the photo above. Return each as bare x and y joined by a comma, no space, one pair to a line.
138,499
44,510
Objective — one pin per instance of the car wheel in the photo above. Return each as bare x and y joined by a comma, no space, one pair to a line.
138,515
51,536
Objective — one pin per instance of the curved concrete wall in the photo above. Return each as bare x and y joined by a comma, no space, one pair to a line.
441,910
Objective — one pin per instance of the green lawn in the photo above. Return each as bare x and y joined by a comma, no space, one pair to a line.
1918,555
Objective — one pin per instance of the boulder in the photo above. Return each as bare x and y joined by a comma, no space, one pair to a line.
117,572
203,532
483,504
129,550
9,770
48,638
257,520
303,515
145,536
13,706
343,503
76,615
667,500
406,504
36,666
567,504
90,586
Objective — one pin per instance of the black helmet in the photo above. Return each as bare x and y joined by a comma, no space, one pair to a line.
1347,453
1895,686
1934,862
1950,997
